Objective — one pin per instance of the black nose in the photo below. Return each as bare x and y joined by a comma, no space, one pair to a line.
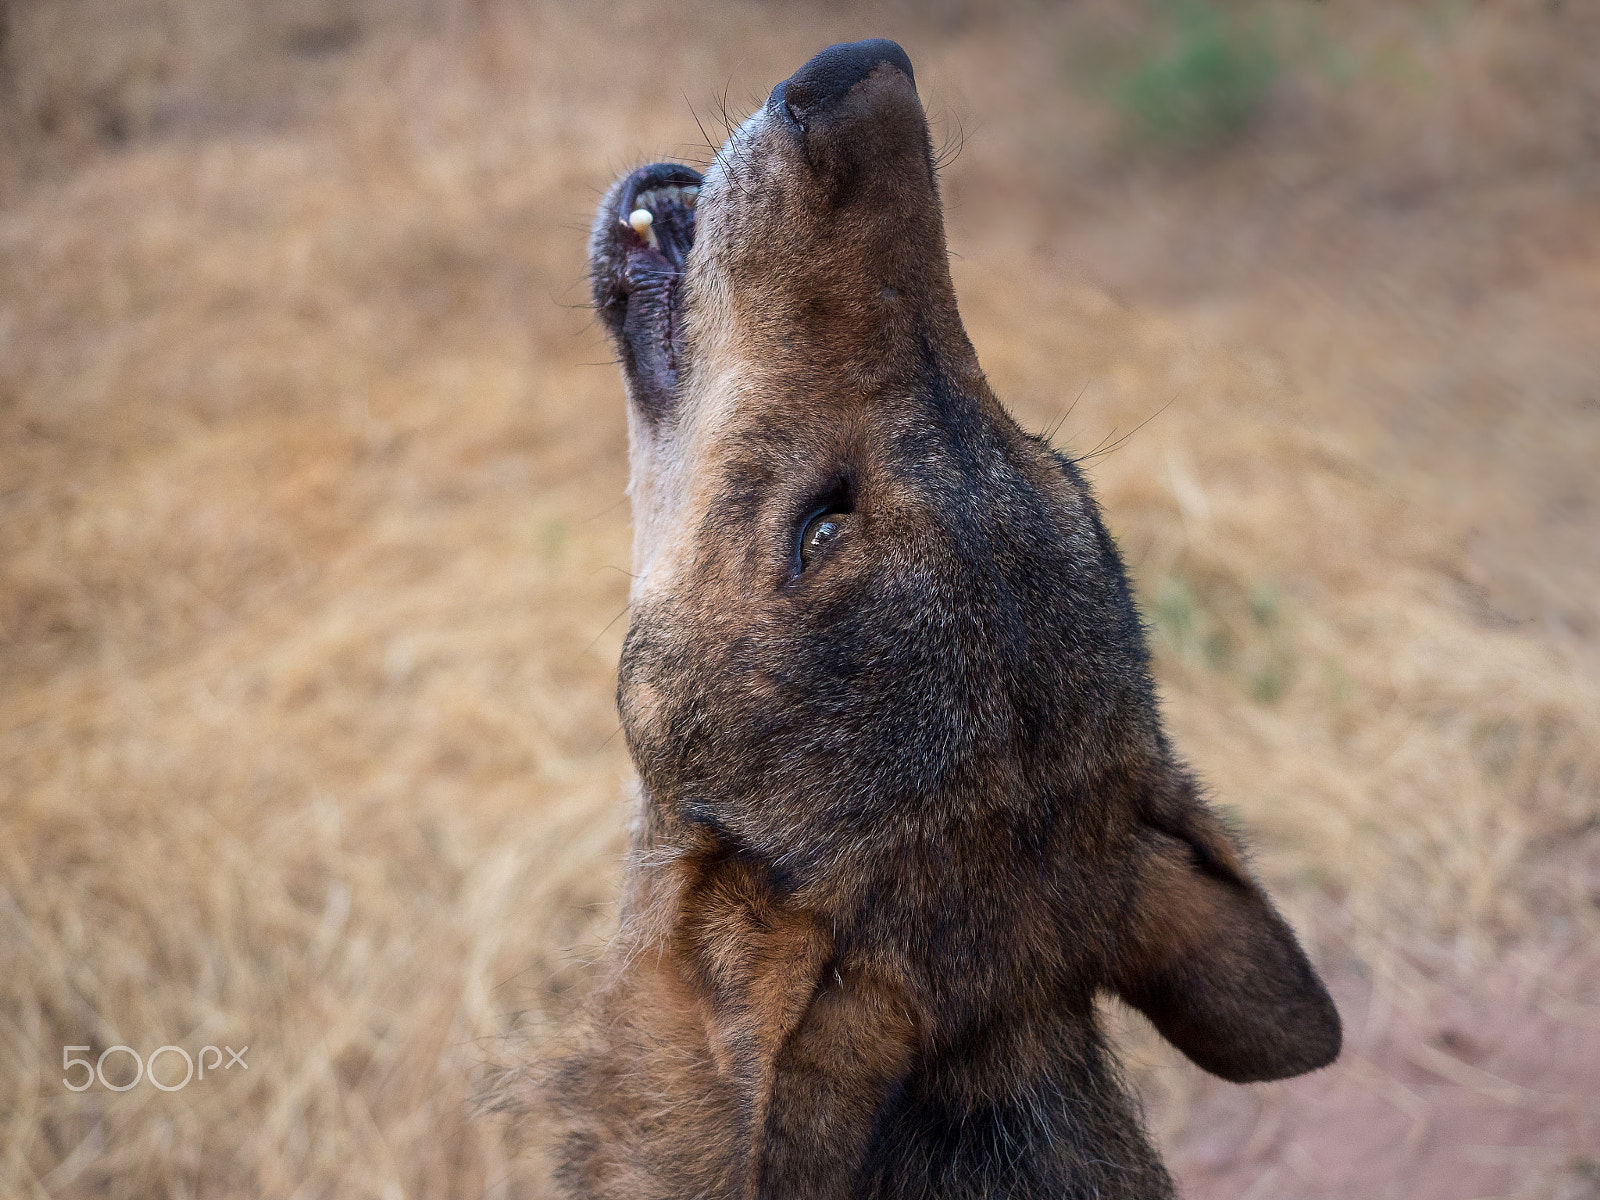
832,73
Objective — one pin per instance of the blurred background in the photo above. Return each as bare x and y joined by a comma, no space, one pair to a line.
313,544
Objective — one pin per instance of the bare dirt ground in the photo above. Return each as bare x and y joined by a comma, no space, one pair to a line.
313,550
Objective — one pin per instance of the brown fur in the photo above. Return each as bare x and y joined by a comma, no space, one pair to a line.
907,809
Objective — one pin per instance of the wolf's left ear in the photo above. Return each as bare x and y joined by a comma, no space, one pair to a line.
1208,959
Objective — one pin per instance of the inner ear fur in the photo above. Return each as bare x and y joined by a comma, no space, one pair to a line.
1211,963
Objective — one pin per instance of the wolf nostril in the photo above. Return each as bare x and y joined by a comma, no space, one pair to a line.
833,72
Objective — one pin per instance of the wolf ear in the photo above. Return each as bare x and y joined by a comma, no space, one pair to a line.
1212,964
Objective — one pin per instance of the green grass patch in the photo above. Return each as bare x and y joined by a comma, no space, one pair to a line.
1206,73
1227,627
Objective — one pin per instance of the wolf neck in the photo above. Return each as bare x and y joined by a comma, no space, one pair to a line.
807,1043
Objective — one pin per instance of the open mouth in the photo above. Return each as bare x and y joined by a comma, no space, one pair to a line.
637,252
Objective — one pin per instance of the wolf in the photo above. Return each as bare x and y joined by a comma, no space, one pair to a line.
905,805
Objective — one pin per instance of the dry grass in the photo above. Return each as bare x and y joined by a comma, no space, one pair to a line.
311,543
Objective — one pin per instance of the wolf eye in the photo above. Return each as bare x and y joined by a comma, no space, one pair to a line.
819,533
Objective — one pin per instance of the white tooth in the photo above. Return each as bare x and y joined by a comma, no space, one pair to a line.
641,220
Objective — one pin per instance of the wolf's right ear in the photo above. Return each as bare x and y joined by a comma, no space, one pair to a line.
1208,959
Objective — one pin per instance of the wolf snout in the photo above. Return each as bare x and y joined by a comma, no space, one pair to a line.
831,75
